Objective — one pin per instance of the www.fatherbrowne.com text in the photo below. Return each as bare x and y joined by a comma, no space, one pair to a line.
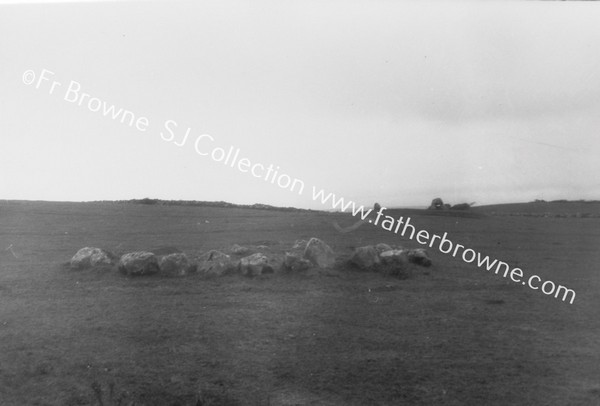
403,227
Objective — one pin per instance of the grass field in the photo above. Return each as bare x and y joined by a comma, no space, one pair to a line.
450,335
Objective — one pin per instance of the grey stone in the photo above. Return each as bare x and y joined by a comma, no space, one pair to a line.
176,264
89,257
319,253
255,264
139,263
295,263
216,263
365,258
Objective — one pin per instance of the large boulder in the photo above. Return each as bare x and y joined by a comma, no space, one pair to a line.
176,264
319,253
89,257
141,263
255,264
216,263
366,258
294,262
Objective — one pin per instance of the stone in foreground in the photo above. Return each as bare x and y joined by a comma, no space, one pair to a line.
176,265
319,253
139,263
89,257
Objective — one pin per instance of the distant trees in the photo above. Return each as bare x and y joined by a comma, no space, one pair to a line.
146,200
438,204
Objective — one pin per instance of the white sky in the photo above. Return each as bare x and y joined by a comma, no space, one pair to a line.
395,102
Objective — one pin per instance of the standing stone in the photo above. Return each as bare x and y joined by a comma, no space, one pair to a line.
216,263
255,264
176,264
365,258
89,257
139,263
319,253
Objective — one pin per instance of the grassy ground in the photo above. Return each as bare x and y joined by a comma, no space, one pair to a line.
452,335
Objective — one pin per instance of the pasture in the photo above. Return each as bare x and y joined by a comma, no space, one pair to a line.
450,335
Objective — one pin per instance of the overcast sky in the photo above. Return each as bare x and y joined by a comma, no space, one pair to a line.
395,102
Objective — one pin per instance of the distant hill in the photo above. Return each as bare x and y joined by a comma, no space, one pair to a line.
259,206
540,208
441,213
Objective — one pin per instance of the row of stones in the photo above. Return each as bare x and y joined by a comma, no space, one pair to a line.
302,256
